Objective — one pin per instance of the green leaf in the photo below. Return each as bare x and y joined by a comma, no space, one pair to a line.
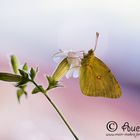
25,93
14,63
52,83
38,89
32,73
20,92
22,82
25,67
8,77
24,74
23,87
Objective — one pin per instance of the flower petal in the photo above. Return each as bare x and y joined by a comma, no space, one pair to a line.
69,73
76,72
73,59
57,57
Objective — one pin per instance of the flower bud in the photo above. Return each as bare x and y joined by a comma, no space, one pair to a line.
14,63
61,70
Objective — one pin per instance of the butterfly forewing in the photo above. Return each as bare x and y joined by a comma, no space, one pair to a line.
96,78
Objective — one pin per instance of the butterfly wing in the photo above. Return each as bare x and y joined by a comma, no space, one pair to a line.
96,79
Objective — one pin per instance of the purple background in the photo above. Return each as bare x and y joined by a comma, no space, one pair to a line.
34,31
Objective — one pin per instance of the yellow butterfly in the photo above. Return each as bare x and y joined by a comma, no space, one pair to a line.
96,79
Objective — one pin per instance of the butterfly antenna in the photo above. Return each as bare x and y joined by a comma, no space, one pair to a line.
96,41
59,51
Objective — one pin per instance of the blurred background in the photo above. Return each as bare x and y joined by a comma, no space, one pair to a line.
34,30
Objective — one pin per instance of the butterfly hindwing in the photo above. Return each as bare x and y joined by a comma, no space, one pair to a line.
96,79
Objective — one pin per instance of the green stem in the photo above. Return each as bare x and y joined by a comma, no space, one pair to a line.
57,110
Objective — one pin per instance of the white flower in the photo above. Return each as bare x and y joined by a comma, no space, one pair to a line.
74,60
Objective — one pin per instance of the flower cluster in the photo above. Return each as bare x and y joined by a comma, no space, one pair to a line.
73,60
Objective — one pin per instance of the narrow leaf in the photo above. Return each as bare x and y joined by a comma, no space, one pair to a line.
32,73
25,67
25,93
23,87
22,82
20,92
52,83
38,89
8,77
24,74
14,63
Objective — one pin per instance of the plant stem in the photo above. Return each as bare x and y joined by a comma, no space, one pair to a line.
62,116
57,110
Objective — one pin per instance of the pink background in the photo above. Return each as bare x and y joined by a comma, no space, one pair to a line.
34,31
